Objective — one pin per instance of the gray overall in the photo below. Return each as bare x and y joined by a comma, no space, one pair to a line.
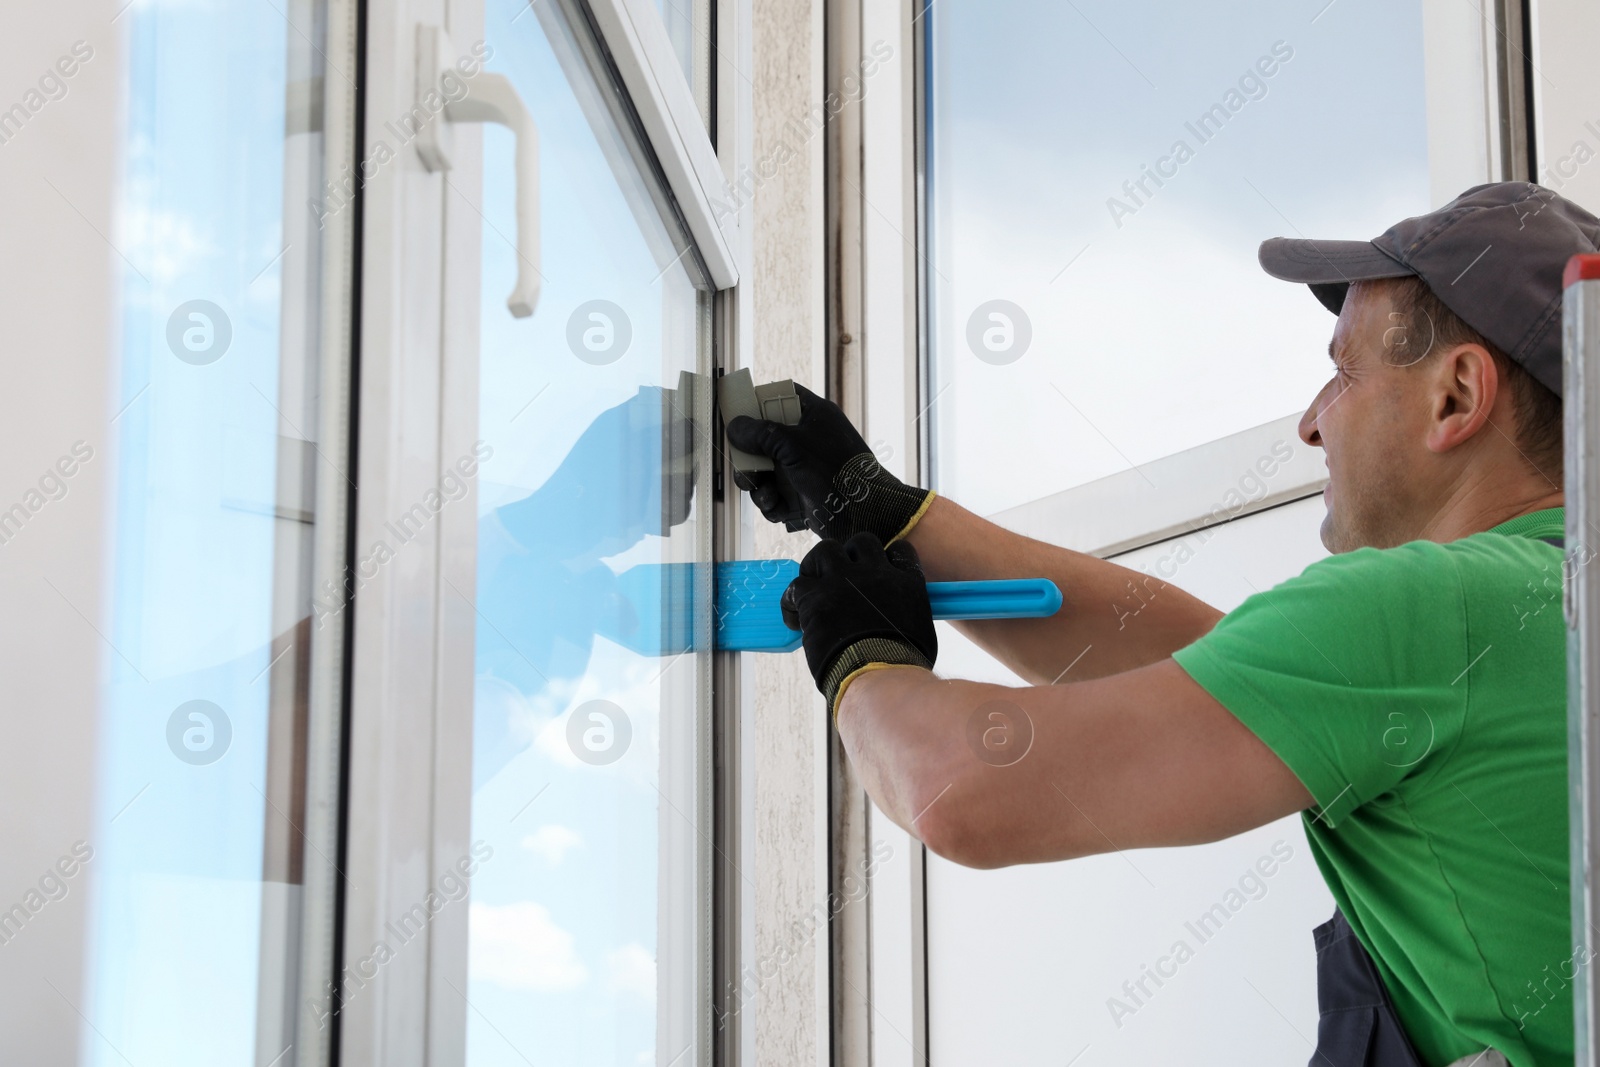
1358,1026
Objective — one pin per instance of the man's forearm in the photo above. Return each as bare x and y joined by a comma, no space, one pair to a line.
902,732
1112,618
972,770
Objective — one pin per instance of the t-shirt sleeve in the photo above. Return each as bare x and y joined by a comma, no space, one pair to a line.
1341,671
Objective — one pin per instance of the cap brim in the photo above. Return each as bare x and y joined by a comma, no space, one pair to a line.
1328,267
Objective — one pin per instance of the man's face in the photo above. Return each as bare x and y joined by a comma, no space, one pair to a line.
1371,421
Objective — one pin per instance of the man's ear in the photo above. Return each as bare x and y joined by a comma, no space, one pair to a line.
1466,383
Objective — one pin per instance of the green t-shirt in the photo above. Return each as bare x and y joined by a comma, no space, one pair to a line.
1420,694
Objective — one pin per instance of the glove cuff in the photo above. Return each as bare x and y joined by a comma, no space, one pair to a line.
916,517
866,654
875,501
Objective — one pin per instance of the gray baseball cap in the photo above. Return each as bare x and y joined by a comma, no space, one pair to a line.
1494,255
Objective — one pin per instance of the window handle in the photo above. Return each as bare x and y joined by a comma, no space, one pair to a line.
447,93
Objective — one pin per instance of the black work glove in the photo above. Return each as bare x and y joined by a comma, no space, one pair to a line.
856,605
837,487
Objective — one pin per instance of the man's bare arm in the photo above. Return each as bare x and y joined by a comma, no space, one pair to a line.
1138,760
1123,618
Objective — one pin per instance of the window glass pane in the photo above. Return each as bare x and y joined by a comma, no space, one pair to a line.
1099,178
589,777
200,848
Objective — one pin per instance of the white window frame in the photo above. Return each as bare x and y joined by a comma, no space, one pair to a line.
876,349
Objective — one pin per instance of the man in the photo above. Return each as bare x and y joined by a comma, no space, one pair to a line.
1407,694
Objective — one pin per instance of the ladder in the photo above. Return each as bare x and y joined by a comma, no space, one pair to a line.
1581,393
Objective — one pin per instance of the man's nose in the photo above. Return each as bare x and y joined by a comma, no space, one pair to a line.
1308,422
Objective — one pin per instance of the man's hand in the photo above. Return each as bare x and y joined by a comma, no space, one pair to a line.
858,608
839,486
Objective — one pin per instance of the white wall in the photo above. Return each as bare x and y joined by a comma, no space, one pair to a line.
1023,962
58,276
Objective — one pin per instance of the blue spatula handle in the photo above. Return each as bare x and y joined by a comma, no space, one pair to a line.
1005,598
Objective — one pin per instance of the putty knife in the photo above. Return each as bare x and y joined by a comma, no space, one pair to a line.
659,619
749,619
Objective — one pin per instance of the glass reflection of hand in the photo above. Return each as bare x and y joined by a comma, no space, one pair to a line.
543,589
630,473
